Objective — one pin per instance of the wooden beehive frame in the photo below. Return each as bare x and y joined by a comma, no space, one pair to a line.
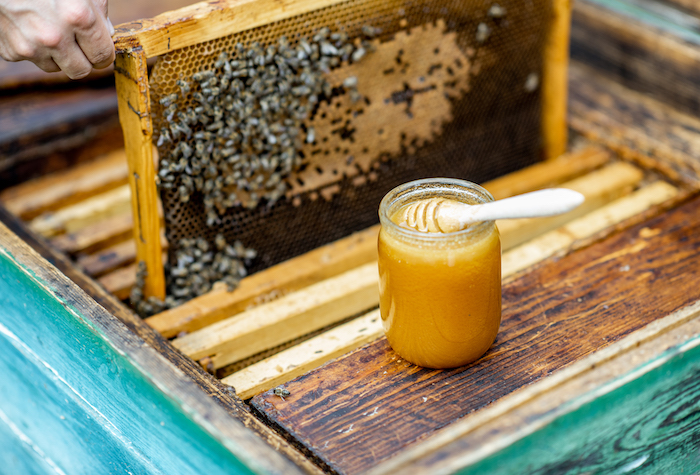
137,42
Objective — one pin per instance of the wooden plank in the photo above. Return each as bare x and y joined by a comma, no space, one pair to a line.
599,188
299,359
555,82
96,236
549,173
120,392
346,253
119,282
553,317
206,21
608,392
37,127
212,406
57,190
131,76
296,273
75,217
111,258
563,238
285,365
634,125
654,58
690,5
284,319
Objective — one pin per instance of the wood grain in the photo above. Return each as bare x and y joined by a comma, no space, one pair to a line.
111,258
312,353
284,319
66,187
638,54
296,273
206,21
608,381
96,236
212,405
634,125
344,254
84,213
361,409
690,5
563,238
555,82
131,78
598,187
549,173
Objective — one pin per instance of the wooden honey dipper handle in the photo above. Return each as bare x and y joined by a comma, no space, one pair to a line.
445,215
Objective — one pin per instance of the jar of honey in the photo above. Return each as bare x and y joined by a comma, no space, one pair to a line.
440,293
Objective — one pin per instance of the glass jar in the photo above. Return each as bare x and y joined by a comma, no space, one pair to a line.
440,293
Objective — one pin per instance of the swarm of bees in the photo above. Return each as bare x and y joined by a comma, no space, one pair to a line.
245,131
238,142
197,267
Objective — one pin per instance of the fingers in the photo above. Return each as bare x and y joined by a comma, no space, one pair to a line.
92,34
70,35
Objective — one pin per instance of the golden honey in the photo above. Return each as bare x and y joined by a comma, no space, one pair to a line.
440,293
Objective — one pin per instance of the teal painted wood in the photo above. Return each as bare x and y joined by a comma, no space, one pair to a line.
645,423
74,404
657,15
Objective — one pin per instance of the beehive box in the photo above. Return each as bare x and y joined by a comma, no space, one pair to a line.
594,368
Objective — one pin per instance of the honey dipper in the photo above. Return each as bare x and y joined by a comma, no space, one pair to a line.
443,215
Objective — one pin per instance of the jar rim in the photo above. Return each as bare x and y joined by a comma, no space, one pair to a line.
416,189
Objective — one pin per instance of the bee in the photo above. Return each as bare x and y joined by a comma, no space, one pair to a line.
532,82
328,49
184,86
281,392
350,82
483,31
496,12
168,100
369,31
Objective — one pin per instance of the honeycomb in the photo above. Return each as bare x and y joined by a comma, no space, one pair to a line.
450,89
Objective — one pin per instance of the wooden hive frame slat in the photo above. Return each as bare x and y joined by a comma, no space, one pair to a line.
135,116
137,42
57,190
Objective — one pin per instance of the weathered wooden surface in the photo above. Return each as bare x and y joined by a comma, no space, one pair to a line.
361,409
99,399
131,77
554,81
639,49
205,21
557,400
691,6
636,126
210,404
66,187
648,426
72,218
41,132
96,236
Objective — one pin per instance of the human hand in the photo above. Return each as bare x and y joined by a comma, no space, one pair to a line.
72,36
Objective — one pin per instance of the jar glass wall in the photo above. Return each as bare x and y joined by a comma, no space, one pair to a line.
440,293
